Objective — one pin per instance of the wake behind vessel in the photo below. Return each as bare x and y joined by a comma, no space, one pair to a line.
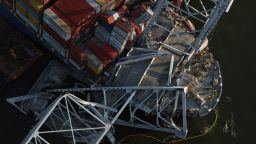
148,67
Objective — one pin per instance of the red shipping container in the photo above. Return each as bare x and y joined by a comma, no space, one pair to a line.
137,28
8,3
123,10
84,27
77,54
111,52
98,52
72,14
56,36
138,10
124,24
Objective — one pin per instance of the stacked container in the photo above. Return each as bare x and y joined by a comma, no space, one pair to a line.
30,11
102,34
78,56
93,63
109,5
66,19
62,22
122,33
141,13
98,52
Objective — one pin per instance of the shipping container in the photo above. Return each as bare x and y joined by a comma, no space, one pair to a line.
37,5
55,46
97,51
56,37
102,34
124,24
102,2
28,8
68,17
77,54
32,19
97,41
110,51
118,36
110,4
107,27
119,46
93,63
120,32
141,13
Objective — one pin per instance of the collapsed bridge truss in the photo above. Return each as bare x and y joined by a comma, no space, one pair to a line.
87,115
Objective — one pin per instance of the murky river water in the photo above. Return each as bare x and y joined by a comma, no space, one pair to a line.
233,46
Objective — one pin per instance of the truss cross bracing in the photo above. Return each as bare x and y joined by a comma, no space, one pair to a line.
79,120
88,114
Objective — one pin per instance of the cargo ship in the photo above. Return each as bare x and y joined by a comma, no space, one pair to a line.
17,53
141,64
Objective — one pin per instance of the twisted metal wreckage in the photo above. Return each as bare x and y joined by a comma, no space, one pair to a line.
88,114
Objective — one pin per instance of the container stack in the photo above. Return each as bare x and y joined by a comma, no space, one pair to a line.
104,53
109,5
81,57
95,54
141,13
102,33
123,33
67,27
65,20
30,11
93,64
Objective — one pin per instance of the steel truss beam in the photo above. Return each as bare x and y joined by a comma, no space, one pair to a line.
81,121
204,14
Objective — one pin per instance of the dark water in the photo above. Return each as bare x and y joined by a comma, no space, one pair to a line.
233,44
234,47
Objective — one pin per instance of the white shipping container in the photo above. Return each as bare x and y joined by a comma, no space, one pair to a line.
57,24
